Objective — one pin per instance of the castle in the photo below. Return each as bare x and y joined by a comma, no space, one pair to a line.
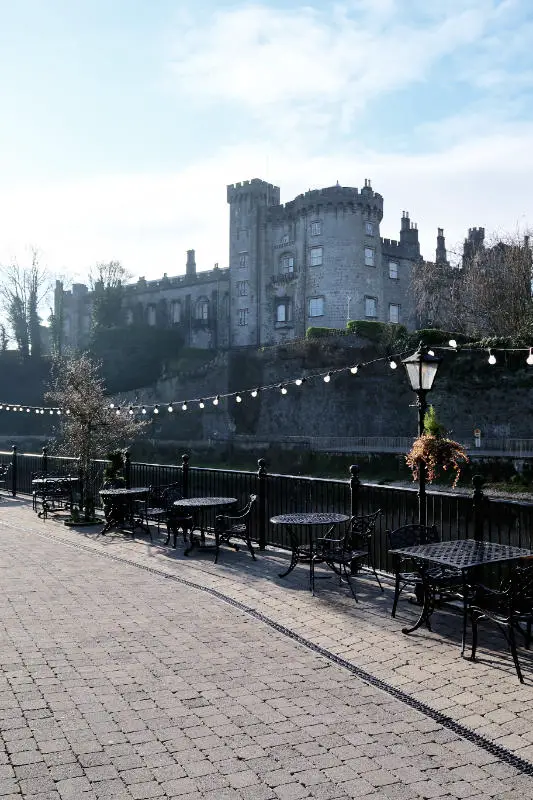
318,260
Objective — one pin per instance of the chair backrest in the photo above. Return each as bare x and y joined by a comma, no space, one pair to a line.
521,588
360,529
170,493
411,535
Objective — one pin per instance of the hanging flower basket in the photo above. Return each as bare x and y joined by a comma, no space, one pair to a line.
437,453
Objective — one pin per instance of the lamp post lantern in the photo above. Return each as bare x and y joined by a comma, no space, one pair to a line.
421,370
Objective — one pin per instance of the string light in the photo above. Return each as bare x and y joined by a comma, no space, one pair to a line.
143,410
156,409
431,352
492,358
111,405
392,363
68,411
130,410
355,369
238,399
201,404
283,389
453,344
170,408
254,392
529,359
117,412
299,381
327,377
216,400
184,406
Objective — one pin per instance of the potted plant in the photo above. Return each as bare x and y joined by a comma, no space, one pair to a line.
113,472
436,451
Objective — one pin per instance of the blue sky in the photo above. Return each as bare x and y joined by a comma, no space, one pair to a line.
122,121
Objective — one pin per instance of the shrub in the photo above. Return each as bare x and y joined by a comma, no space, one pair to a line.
377,332
320,333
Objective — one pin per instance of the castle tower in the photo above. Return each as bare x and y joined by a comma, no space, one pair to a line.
440,252
473,244
190,267
248,203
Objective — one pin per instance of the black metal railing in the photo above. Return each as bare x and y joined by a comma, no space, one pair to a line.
456,515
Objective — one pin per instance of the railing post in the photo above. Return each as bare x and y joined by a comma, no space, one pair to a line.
185,475
14,471
127,469
261,479
478,502
44,461
355,483
81,483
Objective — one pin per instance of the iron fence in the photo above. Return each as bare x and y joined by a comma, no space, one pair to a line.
456,515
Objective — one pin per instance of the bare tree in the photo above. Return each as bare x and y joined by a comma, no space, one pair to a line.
89,427
22,291
107,283
4,338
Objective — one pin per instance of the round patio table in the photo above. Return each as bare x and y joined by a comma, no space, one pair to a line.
197,506
120,512
304,552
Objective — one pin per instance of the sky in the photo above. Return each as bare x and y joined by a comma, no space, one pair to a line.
122,121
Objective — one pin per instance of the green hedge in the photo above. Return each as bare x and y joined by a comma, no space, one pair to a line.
320,333
378,332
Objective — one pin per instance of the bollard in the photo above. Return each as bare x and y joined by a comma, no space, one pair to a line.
355,484
261,492
185,475
14,471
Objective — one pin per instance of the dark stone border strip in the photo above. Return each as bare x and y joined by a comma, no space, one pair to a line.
501,753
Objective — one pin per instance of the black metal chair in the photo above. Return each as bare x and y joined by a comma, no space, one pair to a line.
440,580
4,471
346,554
159,507
510,607
235,526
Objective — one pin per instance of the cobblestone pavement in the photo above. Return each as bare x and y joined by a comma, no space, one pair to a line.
127,672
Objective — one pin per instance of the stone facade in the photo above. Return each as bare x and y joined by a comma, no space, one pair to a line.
318,260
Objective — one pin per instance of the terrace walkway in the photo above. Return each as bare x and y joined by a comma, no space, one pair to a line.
128,671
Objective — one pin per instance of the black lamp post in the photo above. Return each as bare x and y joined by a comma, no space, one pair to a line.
421,370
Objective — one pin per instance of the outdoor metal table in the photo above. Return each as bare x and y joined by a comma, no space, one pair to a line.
52,489
121,509
197,506
309,520
464,555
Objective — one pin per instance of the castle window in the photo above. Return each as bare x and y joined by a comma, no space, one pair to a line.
243,260
283,311
316,306
393,270
242,318
394,312
202,309
175,312
369,228
151,315
284,239
316,228
242,288
316,256
286,264
371,306
369,256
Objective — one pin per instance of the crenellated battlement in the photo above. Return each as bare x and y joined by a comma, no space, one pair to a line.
255,188
316,200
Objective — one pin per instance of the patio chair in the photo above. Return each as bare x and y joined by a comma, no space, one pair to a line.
346,554
159,507
4,471
235,526
510,608
442,580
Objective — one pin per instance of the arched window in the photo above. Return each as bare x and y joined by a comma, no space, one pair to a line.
202,309
175,312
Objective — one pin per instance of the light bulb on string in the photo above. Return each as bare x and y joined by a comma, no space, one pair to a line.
298,381
143,410
170,408
216,400
20,408
327,377
453,343
492,358
283,389
529,359
68,411
1,407
117,412
355,369
238,399
111,405
156,409
392,363
58,411
28,411
431,353
184,406
130,410
7,408
201,404
254,392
